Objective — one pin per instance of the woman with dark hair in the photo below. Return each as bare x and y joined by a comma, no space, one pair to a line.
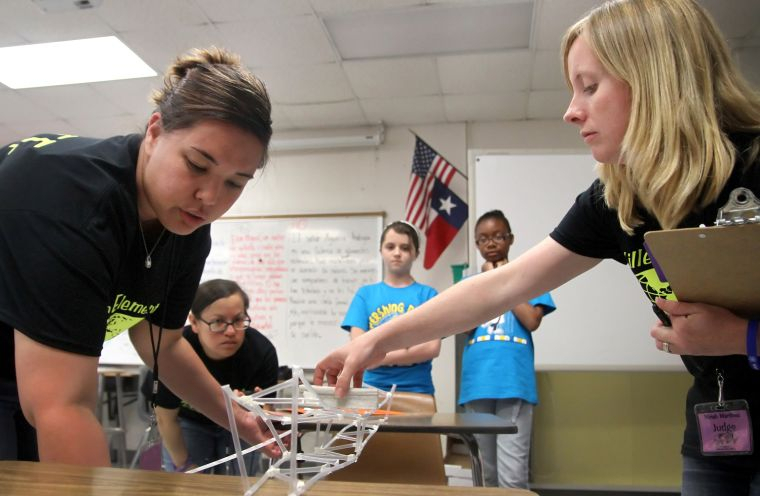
101,236
235,354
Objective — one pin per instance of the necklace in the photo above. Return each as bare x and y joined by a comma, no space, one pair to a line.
148,260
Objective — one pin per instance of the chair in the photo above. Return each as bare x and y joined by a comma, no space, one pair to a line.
408,458
148,453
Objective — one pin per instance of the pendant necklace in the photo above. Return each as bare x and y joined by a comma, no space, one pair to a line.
148,260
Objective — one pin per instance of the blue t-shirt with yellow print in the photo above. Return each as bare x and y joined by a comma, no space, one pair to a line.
497,362
376,304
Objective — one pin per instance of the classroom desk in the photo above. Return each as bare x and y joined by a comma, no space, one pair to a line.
461,425
52,479
118,431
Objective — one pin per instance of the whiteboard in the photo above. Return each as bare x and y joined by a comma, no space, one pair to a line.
300,274
603,318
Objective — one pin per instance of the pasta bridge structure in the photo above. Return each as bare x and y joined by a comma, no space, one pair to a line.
343,427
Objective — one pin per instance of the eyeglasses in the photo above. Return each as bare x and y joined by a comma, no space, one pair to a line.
498,238
219,325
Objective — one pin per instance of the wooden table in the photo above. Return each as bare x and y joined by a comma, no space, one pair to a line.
52,479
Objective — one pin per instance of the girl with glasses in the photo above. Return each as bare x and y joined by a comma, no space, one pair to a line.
497,366
234,354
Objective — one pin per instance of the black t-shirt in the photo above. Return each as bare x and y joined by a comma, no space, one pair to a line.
72,259
592,229
253,365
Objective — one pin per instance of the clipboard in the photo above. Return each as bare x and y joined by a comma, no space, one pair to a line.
718,265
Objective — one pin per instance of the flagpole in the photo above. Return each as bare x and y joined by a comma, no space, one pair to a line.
436,151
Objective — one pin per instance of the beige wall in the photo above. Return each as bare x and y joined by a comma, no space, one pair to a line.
609,429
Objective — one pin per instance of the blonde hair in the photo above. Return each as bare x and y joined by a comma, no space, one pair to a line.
687,96
213,84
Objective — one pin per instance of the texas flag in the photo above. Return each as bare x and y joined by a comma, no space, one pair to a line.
446,216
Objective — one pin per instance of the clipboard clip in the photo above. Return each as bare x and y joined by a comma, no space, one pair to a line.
742,207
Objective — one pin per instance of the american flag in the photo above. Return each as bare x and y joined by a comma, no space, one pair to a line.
427,165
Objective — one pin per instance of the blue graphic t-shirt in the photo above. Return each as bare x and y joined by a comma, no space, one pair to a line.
376,304
497,361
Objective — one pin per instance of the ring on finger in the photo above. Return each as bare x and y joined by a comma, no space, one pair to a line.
666,347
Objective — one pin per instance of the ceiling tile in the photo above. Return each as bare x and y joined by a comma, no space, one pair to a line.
16,108
306,83
432,30
240,10
485,73
549,105
278,42
104,127
286,43
554,17
159,50
25,129
393,77
404,111
325,115
140,15
130,95
60,26
8,36
547,71
486,107
65,102
345,6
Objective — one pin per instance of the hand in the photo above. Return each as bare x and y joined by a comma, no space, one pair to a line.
253,429
240,393
493,265
700,329
348,363
188,465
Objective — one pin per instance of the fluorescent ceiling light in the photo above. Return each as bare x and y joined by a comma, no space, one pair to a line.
432,30
327,139
70,62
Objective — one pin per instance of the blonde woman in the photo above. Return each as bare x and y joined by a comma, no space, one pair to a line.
675,128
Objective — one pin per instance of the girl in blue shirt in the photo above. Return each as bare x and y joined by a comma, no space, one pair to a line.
398,293
497,366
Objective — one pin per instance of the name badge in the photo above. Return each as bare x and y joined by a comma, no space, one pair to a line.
725,428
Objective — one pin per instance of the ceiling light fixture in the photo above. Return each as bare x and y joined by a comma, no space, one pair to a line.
70,62
326,139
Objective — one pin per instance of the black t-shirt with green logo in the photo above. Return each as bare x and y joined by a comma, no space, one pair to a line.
592,229
72,260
